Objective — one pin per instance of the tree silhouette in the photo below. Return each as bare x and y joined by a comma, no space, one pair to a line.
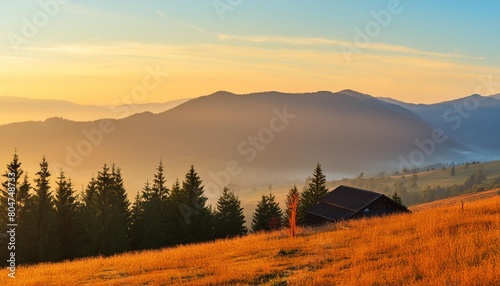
108,207
42,220
196,214
152,214
229,220
268,214
315,191
175,213
136,222
12,181
68,224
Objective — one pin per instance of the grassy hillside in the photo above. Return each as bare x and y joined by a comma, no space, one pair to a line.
444,179
250,196
434,246
417,187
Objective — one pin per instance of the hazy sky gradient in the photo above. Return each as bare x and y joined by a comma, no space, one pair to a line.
95,52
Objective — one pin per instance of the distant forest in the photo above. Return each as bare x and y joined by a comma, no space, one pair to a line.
55,223
405,184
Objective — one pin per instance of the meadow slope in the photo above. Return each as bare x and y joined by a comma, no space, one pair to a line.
442,245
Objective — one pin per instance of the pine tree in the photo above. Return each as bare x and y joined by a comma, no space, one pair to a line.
196,214
12,183
136,223
66,206
154,211
176,206
159,187
23,195
122,208
91,224
153,222
268,214
43,220
315,191
229,220
292,210
452,172
107,205
24,210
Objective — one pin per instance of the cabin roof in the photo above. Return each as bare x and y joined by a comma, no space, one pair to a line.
350,198
345,202
329,211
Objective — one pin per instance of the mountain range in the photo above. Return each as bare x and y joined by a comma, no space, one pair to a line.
473,120
244,140
18,109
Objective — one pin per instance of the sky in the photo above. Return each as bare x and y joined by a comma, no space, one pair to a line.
118,52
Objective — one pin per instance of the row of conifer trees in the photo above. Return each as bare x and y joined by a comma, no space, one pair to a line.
55,223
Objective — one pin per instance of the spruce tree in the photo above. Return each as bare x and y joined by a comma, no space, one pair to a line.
91,224
106,231
23,195
11,182
175,212
66,206
122,208
136,223
154,211
159,184
152,220
43,219
195,213
268,215
315,190
24,198
229,220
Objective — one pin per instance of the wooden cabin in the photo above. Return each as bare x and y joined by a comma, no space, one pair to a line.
349,203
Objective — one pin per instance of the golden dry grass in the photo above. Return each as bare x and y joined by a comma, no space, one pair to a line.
435,246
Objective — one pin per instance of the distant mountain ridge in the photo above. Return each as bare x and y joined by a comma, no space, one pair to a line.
242,139
18,109
472,120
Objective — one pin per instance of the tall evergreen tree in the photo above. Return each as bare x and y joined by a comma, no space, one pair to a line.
12,181
268,215
23,195
107,231
196,214
43,220
154,211
176,210
136,223
24,198
315,191
159,184
229,220
91,224
154,230
122,208
66,206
